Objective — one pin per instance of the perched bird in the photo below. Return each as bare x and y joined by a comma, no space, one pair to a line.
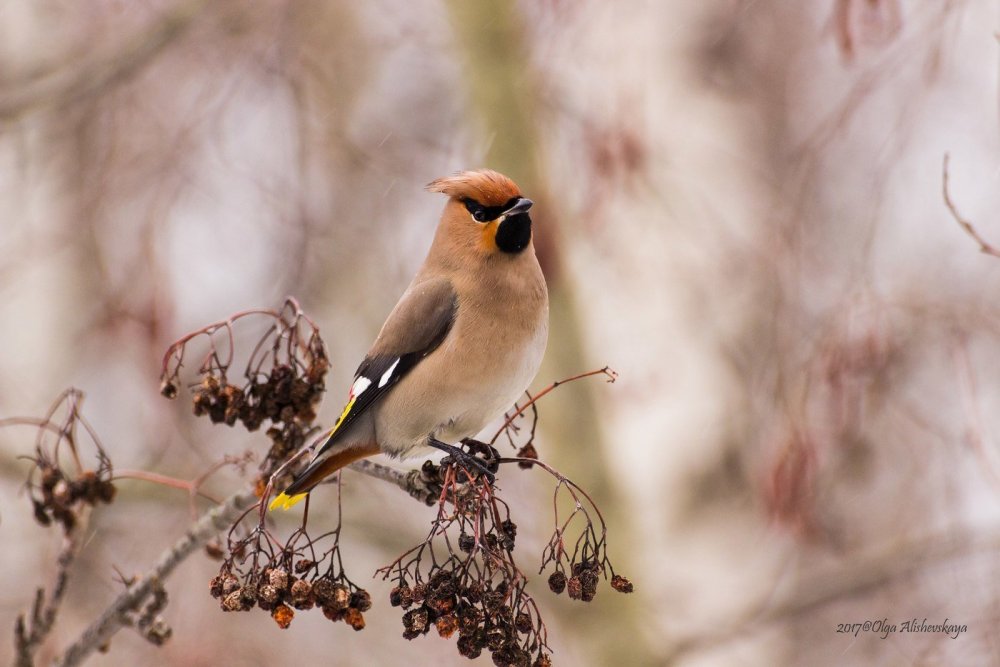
462,344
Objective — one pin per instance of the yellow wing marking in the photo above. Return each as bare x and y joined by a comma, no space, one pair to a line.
286,502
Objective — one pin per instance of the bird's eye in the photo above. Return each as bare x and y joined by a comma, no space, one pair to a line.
478,211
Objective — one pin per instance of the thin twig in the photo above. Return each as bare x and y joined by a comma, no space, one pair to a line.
115,615
30,633
606,371
984,246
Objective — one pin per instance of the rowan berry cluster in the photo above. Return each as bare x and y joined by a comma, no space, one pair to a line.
300,574
282,382
59,489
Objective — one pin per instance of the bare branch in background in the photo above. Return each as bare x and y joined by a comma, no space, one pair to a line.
68,83
984,245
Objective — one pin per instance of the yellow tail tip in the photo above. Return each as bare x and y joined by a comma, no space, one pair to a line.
286,502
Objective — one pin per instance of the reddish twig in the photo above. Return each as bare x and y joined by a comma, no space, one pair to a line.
607,371
984,246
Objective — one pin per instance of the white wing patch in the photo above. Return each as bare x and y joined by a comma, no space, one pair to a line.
387,375
360,385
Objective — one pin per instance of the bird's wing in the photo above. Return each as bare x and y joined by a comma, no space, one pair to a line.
414,329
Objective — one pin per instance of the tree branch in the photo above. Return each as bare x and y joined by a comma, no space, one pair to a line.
115,616
29,633
118,614
420,483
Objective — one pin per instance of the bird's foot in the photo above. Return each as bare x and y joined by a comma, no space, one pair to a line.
479,456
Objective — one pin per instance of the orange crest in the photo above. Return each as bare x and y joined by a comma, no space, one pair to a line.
488,187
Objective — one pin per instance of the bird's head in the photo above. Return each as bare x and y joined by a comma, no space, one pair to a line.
485,211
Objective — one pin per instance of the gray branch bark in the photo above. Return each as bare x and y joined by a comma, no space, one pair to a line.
118,614
115,616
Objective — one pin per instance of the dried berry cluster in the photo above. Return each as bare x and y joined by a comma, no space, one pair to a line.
282,383
582,585
287,396
278,591
462,578
58,498
280,581
282,395
58,495
496,618
588,561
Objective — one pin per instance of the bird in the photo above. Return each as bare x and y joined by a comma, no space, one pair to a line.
465,340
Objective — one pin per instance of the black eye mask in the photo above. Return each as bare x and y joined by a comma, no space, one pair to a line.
482,213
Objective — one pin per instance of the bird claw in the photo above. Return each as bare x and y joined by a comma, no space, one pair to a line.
487,466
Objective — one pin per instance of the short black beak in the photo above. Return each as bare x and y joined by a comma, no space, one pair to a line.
522,205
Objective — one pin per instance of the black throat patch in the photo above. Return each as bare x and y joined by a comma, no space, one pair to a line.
514,233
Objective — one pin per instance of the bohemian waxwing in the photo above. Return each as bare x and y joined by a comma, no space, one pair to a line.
462,344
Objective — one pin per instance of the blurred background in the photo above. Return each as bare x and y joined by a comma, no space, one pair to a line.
739,207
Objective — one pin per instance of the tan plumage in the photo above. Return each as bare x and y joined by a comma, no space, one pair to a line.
463,342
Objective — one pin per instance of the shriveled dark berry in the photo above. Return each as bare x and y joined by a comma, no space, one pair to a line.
527,452
419,593
621,584
509,529
248,596
232,602
441,604
278,577
215,586
333,614
323,590
354,618
361,600
440,579
469,647
522,622
574,588
511,655
446,625
543,660
473,592
416,620
401,596
469,620
302,594
229,583
341,597
168,389
557,582
493,601
496,638
304,564
466,542
588,585
267,597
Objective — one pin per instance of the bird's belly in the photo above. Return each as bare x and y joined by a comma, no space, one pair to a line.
462,401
